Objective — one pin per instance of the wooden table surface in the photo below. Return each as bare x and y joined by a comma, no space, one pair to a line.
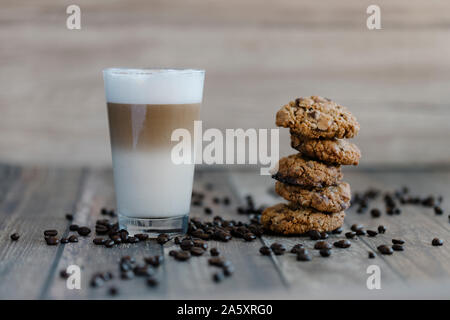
33,199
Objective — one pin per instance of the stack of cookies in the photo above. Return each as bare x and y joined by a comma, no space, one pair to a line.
311,180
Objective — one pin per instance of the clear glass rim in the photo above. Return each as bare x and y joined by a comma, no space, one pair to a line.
149,71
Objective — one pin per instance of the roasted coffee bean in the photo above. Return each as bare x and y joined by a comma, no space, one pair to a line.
371,255
50,233
428,202
73,238
172,253
113,291
216,200
155,261
104,211
143,271
116,238
177,240
222,236
218,276
15,236
277,246
296,247
127,275
107,276
69,216
249,236
219,262
101,229
186,244
182,255
132,240
96,281
64,240
52,241
228,270
303,256
325,253
208,210
197,251
215,252
356,227
109,243
162,238
128,259
152,282
63,274
83,231
438,210
375,213
381,229
124,235
201,244
99,241
314,235
384,249
337,231
342,244
437,242
397,247
372,233
398,241
350,234
73,227
323,235
322,245
360,232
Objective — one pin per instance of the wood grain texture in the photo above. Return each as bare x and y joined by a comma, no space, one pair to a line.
258,56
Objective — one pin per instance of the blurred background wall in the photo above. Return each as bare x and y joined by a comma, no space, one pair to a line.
258,55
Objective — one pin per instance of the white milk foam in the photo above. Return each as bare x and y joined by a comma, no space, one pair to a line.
147,183
146,86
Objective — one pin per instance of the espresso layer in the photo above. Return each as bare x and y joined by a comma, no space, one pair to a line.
145,127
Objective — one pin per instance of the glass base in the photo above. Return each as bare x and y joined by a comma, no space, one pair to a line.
173,226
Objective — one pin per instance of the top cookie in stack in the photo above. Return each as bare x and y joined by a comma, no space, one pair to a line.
311,179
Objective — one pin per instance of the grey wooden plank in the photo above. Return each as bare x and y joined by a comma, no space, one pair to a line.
420,262
253,274
37,200
321,277
98,193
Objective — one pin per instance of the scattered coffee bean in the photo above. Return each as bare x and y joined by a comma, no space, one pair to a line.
325,253
228,270
177,240
398,241
98,241
127,275
218,276
143,270
97,281
323,235
375,213
133,240
197,251
371,255
84,231
278,248
342,244
322,245
69,216
249,236
265,251
113,291
52,241
64,240
337,231
182,255
356,227
155,261
15,236
350,234
219,262
215,252
73,227
141,236
303,256
208,210
152,282
201,244
381,229
73,238
63,274
226,201
296,248
314,235
109,243
437,242
438,210
397,247
372,233
186,244
384,249
162,238
360,232
50,233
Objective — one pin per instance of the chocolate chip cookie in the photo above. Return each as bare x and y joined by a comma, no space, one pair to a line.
317,117
290,220
333,151
300,171
329,199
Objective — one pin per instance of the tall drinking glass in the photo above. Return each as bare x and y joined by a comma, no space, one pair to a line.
153,194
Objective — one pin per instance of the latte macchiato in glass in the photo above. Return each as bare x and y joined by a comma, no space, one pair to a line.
145,106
